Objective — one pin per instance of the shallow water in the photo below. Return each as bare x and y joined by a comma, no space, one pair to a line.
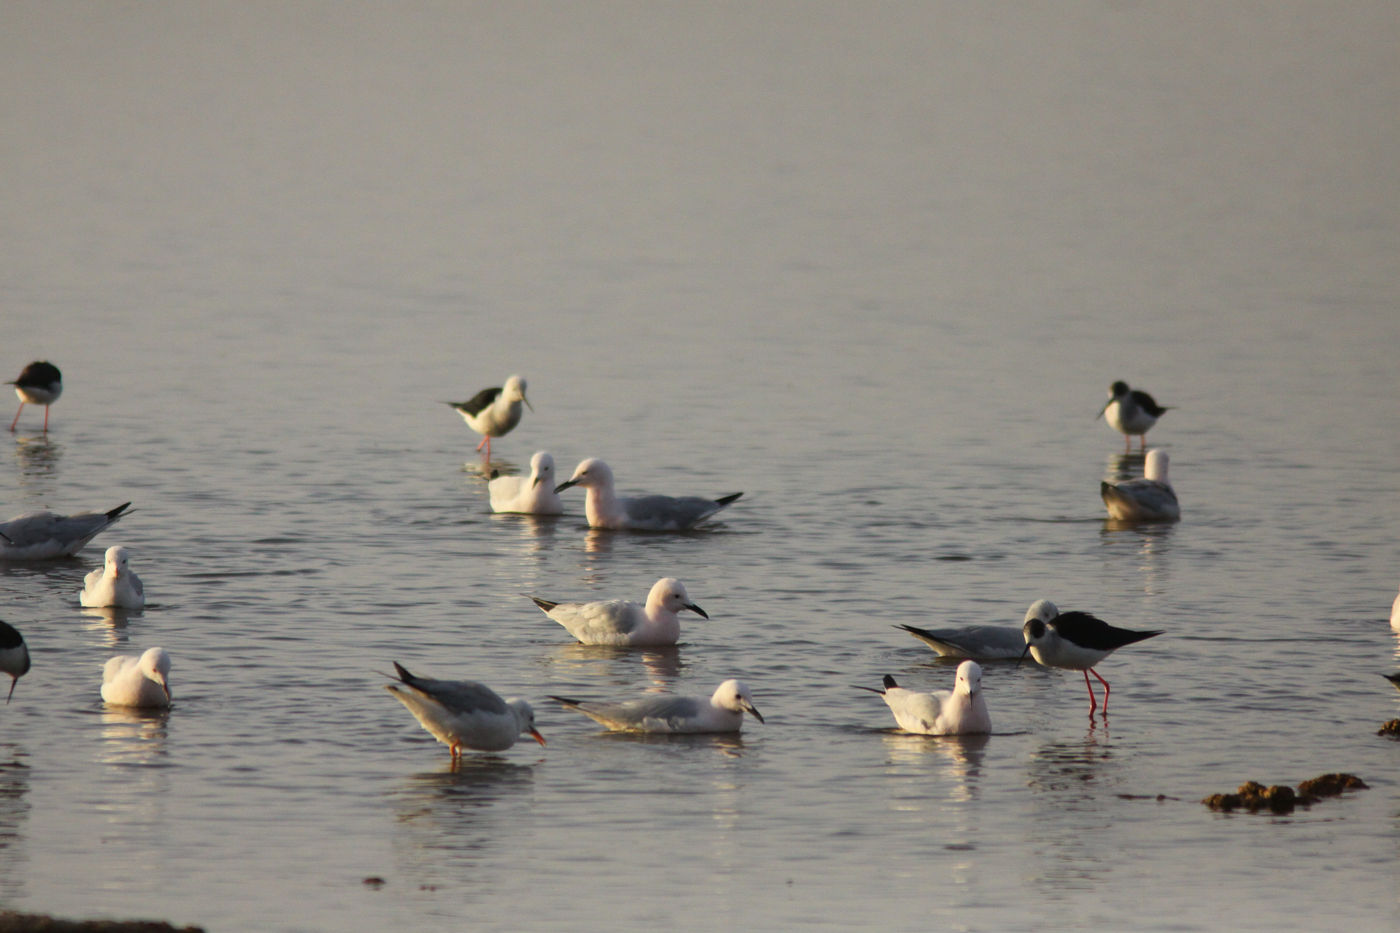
874,266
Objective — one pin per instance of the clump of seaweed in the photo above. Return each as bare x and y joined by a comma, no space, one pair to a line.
1391,728
1280,798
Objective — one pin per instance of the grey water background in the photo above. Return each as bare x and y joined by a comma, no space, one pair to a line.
873,264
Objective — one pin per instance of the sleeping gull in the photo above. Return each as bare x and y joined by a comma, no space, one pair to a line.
40,383
14,655
1078,641
45,535
463,713
620,622
963,711
532,495
1130,411
642,513
983,642
1150,499
143,681
722,712
494,412
114,585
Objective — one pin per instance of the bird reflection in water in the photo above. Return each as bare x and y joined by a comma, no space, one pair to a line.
111,621
14,812
579,663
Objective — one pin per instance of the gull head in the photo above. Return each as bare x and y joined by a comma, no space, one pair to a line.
734,696
969,679
591,473
116,560
542,469
524,718
669,594
155,665
1155,466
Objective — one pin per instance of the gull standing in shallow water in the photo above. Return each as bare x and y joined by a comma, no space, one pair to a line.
40,383
963,711
14,655
46,535
143,681
642,513
983,642
494,412
1078,641
1150,499
722,712
532,495
621,622
463,713
1130,411
114,585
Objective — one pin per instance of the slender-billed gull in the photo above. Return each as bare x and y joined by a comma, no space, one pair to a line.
14,655
533,494
1150,499
463,713
494,412
1130,411
45,535
963,711
983,642
115,584
40,383
1078,641
1395,613
722,712
143,681
605,509
621,622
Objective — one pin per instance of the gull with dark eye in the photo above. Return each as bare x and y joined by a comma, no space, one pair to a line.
463,713
141,682
114,584
605,509
620,622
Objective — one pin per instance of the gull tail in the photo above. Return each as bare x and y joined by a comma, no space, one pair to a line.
725,500
571,704
544,604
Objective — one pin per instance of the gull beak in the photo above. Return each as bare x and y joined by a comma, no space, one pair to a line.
697,610
536,483
750,708
565,485
535,734
164,687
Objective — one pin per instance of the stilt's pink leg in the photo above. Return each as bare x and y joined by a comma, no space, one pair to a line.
485,439
1093,703
1105,687
16,421
46,419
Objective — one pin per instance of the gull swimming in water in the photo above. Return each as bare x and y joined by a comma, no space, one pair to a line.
143,681
1078,641
1150,499
532,495
621,622
46,535
722,712
463,713
983,642
1395,613
494,412
962,711
642,513
39,383
1130,411
114,585
14,655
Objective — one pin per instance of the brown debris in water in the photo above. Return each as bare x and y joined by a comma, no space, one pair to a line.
12,922
1391,728
1279,798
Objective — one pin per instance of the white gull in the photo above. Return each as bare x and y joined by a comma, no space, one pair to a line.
983,642
46,535
622,622
533,494
605,509
114,584
463,713
961,711
722,712
143,681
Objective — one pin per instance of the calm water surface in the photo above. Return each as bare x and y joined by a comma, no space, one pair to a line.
873,265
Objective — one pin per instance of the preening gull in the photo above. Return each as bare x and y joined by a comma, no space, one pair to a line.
1150,499
961,711
533,494
143,681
